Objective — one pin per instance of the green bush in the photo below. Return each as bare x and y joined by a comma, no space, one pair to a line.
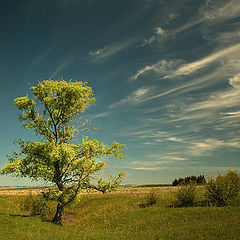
224,190
185,196
150,199
36,206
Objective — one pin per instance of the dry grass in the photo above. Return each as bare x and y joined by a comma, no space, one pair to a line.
117,216
132,190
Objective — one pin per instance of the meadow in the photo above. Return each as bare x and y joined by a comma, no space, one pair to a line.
118,216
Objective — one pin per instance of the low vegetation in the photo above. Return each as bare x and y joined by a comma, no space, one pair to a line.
186,196
150,199
224,190
117,216
36,206
184,212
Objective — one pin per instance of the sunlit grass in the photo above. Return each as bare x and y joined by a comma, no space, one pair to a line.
118,216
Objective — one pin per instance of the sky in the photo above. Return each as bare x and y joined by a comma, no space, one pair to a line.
165,74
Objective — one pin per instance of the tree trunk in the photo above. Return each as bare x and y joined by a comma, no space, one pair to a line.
58,215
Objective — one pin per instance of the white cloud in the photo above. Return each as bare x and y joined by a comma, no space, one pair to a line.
148,41
195,84
97,52
175,68
159,31
203,148
146,163
224,37
178,158
218,101
163,67
136,97
220,10
100,115
162,159
213,11
154,165
175,139
231,114
110,50
235,80
190,68
143,168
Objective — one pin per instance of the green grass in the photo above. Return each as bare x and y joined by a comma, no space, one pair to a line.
118,216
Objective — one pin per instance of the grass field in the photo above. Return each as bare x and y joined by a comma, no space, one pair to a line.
118,216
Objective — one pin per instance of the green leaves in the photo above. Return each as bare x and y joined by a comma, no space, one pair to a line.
63,100
24,103
55,104
71,167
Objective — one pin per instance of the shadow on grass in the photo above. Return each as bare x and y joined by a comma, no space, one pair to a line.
19,215
14,215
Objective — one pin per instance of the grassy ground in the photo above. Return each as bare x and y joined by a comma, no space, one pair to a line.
118,216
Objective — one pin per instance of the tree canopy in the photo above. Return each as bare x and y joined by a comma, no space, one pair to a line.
55,159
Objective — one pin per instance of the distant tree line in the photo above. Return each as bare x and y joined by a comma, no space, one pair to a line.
189,179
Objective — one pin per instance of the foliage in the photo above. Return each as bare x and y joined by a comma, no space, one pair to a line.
186,196
150,199
187,180
71,167
36,206
224,190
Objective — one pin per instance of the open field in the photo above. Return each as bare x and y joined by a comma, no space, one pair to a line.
125,190
118,216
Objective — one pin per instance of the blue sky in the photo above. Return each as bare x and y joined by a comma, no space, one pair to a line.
165,74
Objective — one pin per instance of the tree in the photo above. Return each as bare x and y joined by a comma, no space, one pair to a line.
71,167
189,179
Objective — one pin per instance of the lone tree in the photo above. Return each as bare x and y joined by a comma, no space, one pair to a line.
54,159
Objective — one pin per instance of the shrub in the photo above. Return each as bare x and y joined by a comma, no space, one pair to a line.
185,196
150,199
224,190
36,206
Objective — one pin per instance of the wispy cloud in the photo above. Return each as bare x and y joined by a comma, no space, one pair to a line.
144,168
218,101
42,56
235,80
176,68
211,12
160,158
231,114
99,115
195,84
136,97
232,35
220,10
155,162
190,68
204,147
63,65
175,139
158,32
163,67
148,41
110,50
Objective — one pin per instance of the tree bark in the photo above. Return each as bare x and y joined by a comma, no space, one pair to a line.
58,215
